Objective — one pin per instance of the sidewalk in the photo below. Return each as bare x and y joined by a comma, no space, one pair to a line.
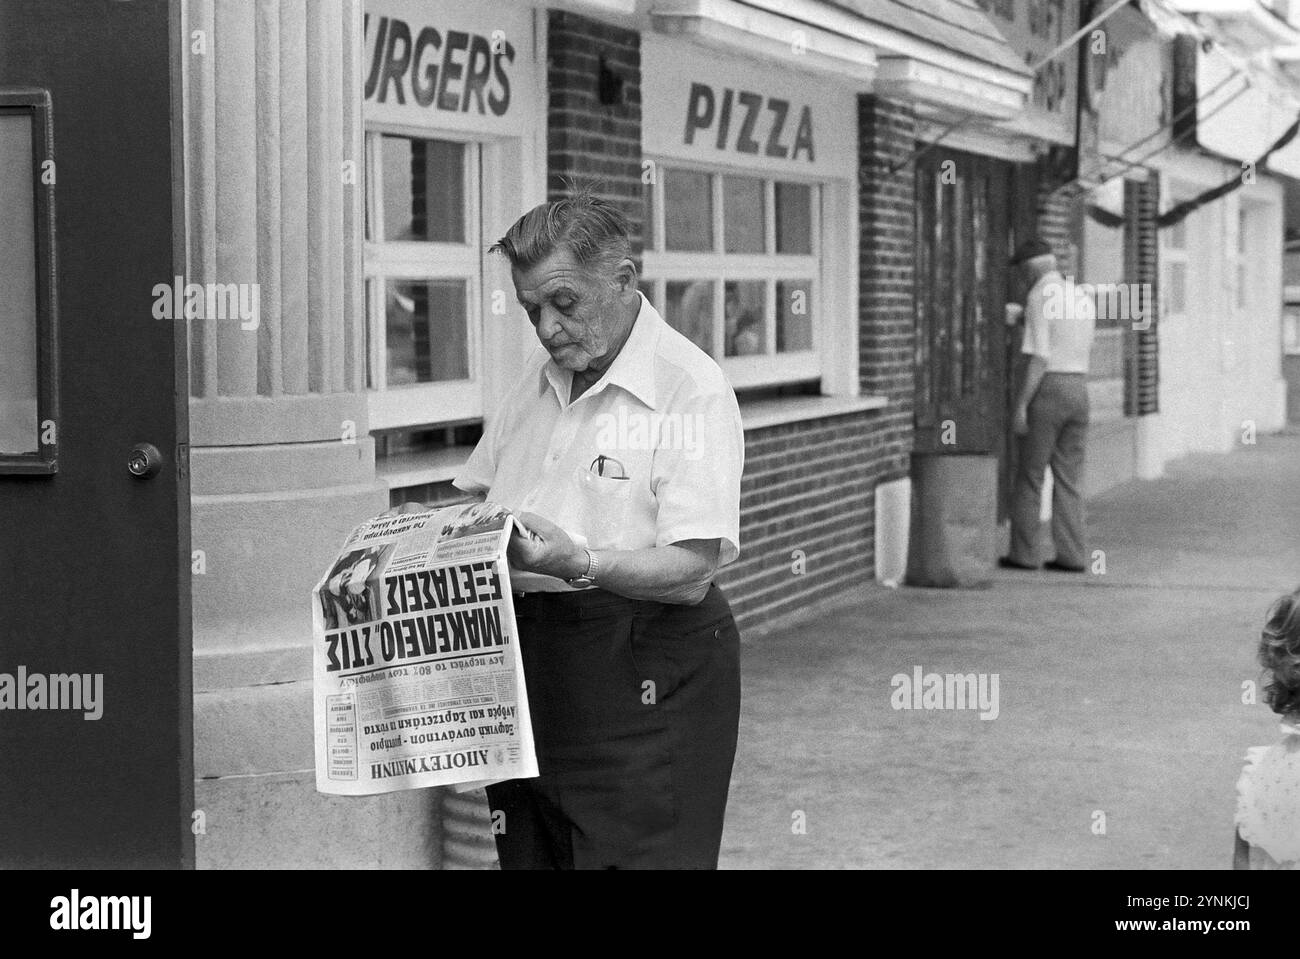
1119,694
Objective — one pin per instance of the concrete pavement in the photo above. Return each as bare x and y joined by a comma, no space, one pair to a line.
1120,729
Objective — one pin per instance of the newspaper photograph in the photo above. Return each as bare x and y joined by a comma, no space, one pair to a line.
417,675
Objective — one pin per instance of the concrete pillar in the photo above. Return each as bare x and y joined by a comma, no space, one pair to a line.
281,460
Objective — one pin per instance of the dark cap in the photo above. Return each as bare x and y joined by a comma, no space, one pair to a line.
1029,249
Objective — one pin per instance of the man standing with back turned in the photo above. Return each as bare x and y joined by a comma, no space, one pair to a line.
1051,413
620,450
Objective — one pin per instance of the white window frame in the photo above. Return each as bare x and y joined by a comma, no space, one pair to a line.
423,403
717,266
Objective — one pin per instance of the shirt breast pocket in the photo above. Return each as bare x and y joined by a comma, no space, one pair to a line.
602,507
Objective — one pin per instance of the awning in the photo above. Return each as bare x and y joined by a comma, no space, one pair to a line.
958,26
942,53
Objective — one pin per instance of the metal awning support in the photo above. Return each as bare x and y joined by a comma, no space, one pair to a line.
1035,68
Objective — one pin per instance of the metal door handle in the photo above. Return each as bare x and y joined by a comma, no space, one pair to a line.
144,461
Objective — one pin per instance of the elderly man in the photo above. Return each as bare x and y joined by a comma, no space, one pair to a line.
630,653
1051,413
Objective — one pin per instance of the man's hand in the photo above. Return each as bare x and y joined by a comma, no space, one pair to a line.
542,547
1020,421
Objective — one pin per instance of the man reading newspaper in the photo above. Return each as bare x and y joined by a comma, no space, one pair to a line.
620,453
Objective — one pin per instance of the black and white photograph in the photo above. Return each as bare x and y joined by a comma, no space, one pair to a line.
894,405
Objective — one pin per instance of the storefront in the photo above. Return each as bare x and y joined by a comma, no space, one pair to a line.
390,143
762,162
454,113
986,186
1221,279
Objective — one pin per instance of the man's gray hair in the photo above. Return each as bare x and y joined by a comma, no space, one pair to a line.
595,231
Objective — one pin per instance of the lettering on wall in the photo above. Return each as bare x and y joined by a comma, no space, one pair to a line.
1034,28
746,122
450,70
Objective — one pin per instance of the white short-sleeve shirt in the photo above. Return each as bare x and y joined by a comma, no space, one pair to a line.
1060,321
663,415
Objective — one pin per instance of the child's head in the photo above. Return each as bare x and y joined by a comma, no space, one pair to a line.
1279,653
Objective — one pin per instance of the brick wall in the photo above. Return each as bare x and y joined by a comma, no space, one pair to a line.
1056,225
810,486
886,255
589,141
1142,265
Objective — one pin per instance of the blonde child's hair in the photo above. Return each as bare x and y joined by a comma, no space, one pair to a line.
1279,653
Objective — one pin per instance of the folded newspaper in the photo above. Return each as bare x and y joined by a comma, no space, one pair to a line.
418,680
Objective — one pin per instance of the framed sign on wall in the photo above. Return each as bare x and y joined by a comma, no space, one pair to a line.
28,309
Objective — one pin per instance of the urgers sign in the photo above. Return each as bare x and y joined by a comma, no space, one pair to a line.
446,70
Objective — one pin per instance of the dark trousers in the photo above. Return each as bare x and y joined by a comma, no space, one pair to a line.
1058,429
635,709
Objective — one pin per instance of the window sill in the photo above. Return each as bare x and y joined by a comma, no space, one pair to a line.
763,413
417,469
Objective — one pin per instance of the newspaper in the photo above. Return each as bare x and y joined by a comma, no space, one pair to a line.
418,679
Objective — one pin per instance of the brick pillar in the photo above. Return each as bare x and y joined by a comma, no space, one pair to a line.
594,117
886,254
1142,266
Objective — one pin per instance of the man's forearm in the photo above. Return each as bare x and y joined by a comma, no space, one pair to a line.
1034,372
668,574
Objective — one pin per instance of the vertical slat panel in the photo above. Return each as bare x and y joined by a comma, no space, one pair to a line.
201,173
331,160
269,148
236,187
318,221
351,82
293,196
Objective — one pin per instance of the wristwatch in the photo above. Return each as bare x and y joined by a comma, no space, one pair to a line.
587,579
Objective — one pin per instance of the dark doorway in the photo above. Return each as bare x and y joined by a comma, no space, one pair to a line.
971,211
94,559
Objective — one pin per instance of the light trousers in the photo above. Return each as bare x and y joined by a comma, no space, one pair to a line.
1058,431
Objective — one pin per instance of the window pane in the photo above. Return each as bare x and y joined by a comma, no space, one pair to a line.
793,218
424,189
1177,287
689,309
743,227
688,210
793,315
18,385
427,331
744,302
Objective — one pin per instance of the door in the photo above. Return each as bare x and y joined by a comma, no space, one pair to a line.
96,769
962,215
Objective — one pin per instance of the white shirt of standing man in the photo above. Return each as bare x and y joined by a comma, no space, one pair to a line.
667,424
1059,324
626,435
